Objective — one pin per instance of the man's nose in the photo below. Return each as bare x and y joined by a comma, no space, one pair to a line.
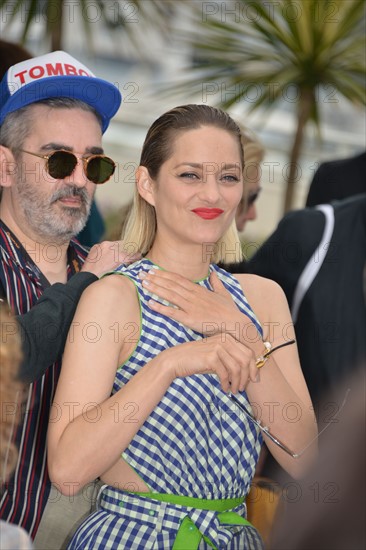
78,176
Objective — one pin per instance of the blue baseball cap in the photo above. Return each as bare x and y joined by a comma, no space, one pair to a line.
57,74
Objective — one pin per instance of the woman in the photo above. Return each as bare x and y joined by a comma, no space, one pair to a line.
144,401
254,153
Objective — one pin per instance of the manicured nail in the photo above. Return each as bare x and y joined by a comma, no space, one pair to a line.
142,275
152,272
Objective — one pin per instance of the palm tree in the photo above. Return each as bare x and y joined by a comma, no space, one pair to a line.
113,14
305,45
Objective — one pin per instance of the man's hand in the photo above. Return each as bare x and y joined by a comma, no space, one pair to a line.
108,255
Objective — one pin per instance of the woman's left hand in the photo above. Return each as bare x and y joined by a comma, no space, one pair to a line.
202,310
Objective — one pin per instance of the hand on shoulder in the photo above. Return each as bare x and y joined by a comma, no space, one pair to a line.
106,256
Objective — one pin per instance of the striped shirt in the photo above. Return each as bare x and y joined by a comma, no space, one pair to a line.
26,494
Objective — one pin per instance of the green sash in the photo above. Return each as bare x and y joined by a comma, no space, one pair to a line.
189,536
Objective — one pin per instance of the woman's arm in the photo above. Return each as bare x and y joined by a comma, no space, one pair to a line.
280,397
88,428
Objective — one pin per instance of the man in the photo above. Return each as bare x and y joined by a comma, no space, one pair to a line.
53,114
338,179
317,256
10,54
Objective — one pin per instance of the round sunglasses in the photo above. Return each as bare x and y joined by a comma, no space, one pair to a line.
61,164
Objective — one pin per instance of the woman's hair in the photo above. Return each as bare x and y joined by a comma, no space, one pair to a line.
157,149
253,148
254,153
11,394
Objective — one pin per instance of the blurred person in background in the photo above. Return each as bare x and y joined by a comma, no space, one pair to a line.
10,54
318,256
247,208
12,537
253,156
327,509
338,179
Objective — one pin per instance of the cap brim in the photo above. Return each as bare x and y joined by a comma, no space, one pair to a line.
100,94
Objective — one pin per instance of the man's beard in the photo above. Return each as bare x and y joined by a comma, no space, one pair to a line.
57,223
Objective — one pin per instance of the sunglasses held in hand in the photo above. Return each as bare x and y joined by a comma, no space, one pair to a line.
61,164
273,438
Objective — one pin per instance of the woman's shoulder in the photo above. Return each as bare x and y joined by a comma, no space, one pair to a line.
256,283
263,294
111,285
114,292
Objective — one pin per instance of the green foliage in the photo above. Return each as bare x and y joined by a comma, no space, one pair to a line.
271,46
260,53
115,15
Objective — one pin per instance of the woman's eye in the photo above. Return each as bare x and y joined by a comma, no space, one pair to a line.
189,175
230,178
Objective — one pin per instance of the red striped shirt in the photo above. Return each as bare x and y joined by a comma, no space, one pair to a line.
25,495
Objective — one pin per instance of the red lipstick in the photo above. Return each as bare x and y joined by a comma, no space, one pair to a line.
208,213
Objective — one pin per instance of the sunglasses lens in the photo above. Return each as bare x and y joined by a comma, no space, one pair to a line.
61,164
100,169
253,197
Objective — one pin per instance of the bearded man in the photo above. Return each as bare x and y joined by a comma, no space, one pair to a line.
53,114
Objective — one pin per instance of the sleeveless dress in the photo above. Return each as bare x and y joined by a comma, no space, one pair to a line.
196,443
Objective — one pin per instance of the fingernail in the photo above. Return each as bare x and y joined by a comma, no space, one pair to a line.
142,275
152,272
145,282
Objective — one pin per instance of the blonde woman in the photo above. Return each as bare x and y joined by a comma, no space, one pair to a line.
157,401
254,154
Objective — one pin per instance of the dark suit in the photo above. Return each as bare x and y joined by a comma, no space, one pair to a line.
331,322
338,179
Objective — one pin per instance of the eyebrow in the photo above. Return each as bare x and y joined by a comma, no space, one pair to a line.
201,164
53,146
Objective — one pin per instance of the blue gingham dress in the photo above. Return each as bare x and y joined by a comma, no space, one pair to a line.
196,442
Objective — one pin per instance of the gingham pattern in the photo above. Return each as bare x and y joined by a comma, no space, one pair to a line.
195,443
130,522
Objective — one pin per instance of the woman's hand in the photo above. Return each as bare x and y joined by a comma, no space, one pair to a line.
194,306
230,360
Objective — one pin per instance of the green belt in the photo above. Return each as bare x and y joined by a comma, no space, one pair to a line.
189,536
